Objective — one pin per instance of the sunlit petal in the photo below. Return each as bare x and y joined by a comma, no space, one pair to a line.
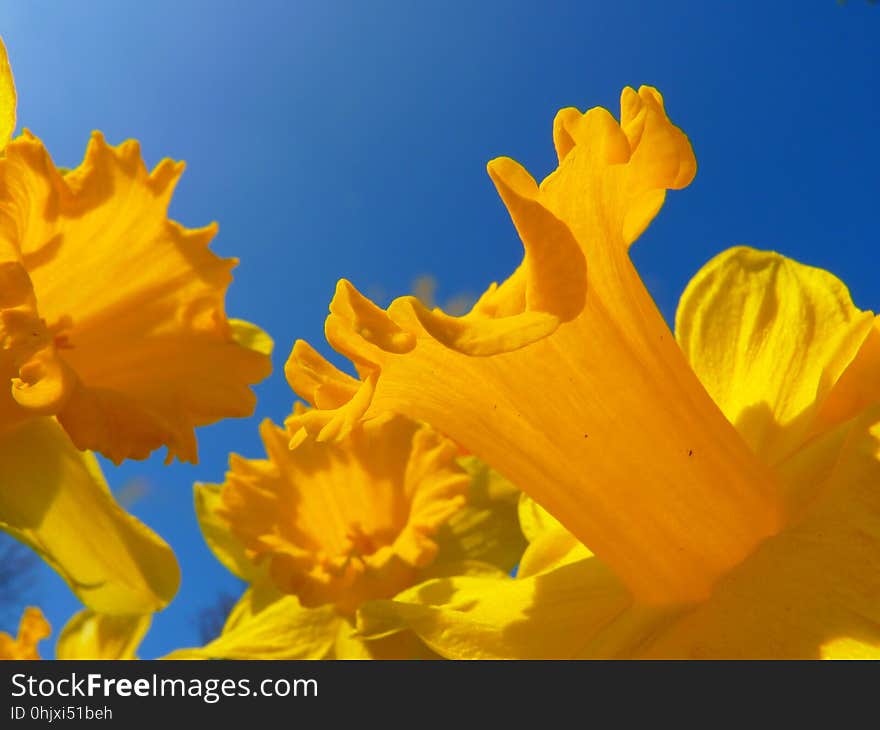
54,498
7,98
218,535
485,530
769,338
282,630
90,635
575,611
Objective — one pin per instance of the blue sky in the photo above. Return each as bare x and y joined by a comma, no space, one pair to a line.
350,139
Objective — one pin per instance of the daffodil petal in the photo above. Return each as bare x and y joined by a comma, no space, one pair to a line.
850,649
251,337
534,520
216,531
485,529
551,550
7,98
311,643
282,630
348,645
550,544
579,610
91,635
857,389
257,597
769,338
134,303
54,498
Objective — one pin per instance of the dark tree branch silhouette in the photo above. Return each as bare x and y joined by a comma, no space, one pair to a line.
211,619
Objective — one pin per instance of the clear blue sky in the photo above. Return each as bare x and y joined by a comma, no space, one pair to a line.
350,139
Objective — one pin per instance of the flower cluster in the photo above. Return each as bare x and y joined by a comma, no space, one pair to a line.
552,474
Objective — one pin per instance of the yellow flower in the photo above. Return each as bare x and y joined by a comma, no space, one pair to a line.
561,374
363,528
88,635
113,338
321,530
32,629
765,333
744,525
112,315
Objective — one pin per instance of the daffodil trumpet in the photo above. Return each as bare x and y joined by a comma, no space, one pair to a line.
705,494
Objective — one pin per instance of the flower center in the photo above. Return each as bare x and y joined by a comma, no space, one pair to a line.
343,523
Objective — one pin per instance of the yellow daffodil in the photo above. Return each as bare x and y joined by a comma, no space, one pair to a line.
88,635
112,314
710,498
766,335
32,629
563,372
324,529
113,338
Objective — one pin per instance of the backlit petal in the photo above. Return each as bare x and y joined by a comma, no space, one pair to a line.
7,98
550,544
575,611
54,498
486,528
258,596
857,389
218,534
769,338
850,649
282,630
90,635
551,550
